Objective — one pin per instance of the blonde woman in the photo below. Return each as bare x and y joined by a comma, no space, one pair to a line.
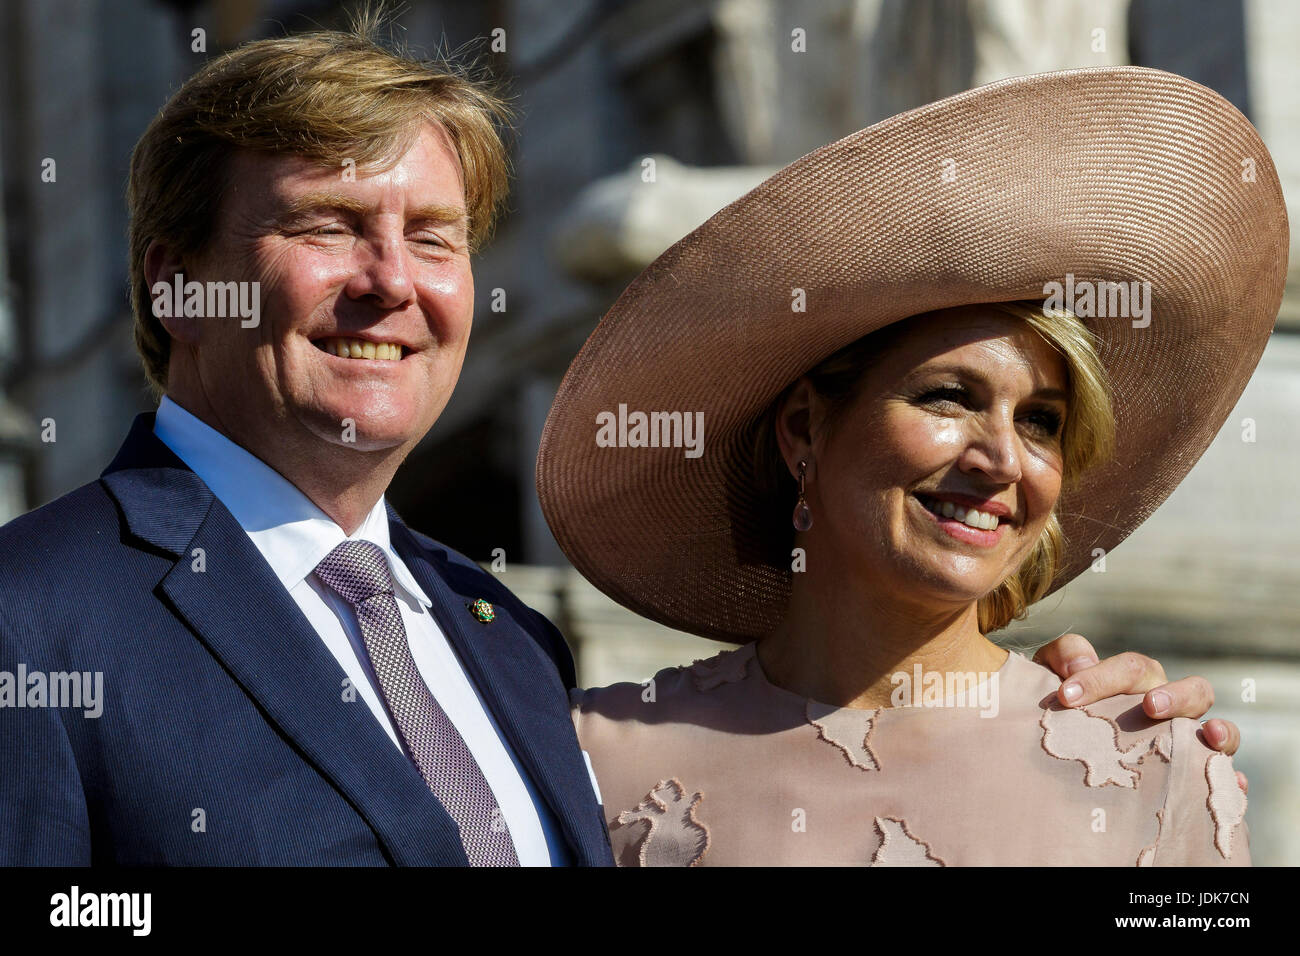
898,470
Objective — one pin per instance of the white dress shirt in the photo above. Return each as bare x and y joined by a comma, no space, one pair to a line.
293,536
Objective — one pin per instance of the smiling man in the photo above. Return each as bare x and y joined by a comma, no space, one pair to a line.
368,295
290,675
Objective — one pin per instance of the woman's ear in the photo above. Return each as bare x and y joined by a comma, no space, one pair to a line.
794,425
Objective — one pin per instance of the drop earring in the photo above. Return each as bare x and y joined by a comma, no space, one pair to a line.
802,513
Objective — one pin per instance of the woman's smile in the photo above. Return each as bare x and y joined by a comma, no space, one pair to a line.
967,525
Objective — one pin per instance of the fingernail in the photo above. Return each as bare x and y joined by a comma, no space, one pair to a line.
1079,663
1217,734
1160,702
1072,691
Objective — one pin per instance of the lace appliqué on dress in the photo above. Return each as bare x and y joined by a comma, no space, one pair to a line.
848,729
898,847
727,668
1093,740
1226,802
1148,855
663,829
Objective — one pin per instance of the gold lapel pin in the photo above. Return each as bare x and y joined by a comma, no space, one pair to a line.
482,610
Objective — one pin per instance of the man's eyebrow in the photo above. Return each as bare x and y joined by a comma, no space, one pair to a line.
341,202
1047,393
439,213
321,202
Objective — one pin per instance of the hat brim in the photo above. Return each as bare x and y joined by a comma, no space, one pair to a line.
1110,175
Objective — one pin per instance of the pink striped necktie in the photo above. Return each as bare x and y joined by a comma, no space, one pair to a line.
358,572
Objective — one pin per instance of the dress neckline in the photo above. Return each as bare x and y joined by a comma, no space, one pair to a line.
756,672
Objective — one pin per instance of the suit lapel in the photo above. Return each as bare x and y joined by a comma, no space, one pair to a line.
513,676
246,618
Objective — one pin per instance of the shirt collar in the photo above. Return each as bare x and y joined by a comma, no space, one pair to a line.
290,531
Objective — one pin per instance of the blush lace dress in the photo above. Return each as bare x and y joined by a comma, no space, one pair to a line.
713,765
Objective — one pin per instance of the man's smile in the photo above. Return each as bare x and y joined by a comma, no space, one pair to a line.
354,348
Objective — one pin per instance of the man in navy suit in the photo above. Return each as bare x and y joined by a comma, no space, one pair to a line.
256,707
268,666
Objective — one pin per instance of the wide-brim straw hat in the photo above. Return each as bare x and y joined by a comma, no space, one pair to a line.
1109,175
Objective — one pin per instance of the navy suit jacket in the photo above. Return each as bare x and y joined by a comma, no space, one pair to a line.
225,738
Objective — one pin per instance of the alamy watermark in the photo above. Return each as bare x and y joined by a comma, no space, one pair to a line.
1101,300
76,690
130,910
651,430
945,689
212,300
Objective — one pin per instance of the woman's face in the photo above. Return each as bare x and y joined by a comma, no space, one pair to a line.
964,410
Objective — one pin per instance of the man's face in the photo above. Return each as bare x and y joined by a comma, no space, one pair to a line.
375,266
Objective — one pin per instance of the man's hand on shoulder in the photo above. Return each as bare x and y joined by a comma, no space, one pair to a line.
1087,679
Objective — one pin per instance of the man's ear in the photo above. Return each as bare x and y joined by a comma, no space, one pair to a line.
161,266
794,425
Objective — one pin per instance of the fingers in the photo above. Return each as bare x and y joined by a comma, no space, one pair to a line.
1190,697
1221,735
1072,656
1127,673
1067,654
1193,697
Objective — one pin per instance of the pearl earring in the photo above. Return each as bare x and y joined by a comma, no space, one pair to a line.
802,513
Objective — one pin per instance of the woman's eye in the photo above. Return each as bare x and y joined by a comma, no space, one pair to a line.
1049,423
944,394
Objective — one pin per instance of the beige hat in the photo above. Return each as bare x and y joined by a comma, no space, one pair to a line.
1083,177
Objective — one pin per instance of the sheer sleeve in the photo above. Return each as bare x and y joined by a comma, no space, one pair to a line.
1203,821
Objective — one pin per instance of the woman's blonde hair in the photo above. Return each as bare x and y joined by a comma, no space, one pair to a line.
1087,439
328,96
